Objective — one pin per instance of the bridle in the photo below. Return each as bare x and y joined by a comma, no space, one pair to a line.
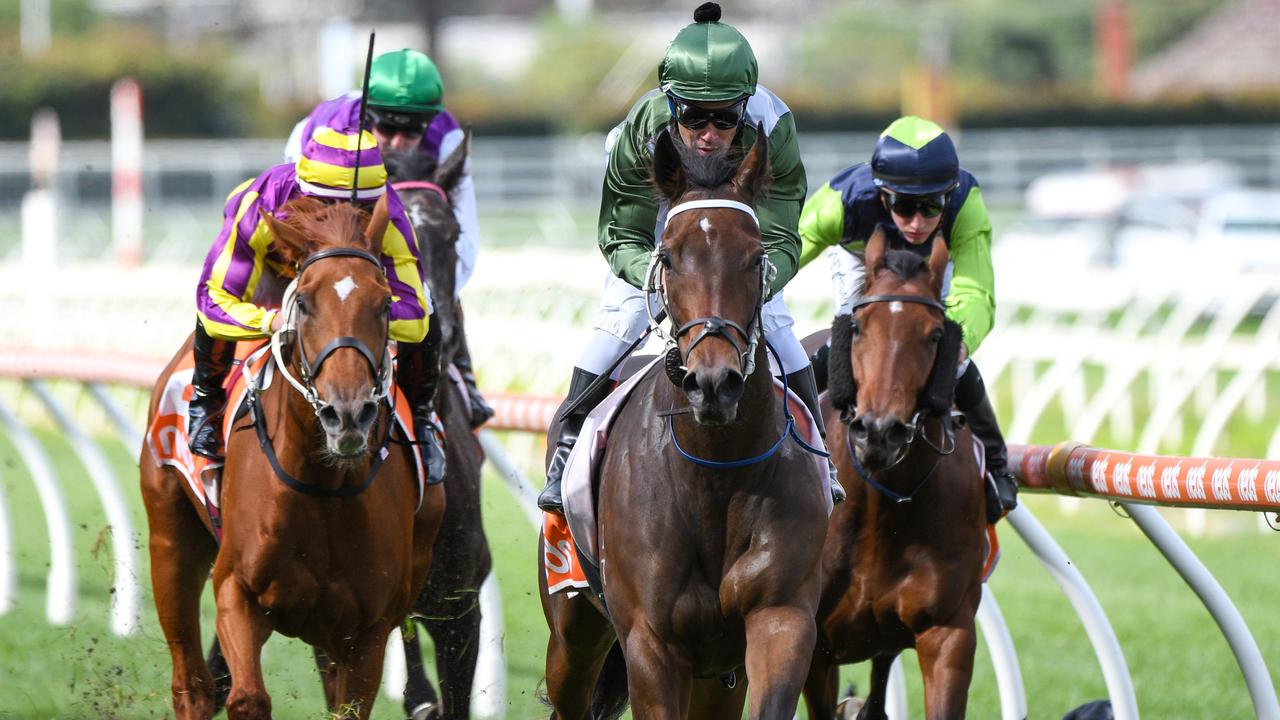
309,369
712,326
916,426
421,185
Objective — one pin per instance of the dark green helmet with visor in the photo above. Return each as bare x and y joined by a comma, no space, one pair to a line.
708,61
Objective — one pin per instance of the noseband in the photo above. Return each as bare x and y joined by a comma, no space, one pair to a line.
421,185
307,369
712,326
917,428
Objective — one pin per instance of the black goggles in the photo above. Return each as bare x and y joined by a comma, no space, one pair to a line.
696,118
909,205
390,123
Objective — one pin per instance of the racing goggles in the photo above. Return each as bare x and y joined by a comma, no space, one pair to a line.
909,205
390,123
696,118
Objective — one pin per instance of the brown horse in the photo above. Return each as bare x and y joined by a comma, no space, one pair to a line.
449,607
330,545
902,564
707,569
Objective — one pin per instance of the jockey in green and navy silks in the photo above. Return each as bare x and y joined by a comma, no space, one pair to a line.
845,211
242,253
915,190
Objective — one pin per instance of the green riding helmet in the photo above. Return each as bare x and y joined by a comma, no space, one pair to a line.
406,82
708,61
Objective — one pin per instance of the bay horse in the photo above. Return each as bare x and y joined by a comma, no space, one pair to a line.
449,606
902,566
707,569
331,545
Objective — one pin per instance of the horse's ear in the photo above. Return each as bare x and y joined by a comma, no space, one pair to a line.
450,171
754,170
293,244
668,172
377,226
874,259
938,264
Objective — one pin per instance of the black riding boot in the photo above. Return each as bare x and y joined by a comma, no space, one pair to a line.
803,384
479,409
208,397
549,499
418,375
971,399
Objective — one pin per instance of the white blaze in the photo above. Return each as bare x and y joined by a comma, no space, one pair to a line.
344,287
705,224
895,307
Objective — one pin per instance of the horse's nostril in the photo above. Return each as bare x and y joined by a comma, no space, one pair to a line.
898,433
690,385
858,427
729,386
368,412
329,418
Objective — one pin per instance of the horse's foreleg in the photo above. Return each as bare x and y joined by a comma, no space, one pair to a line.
821,686
359,673
181,553
457,641
710,699
946,664
658,679
242,631
420,699
875,706
780,643
328,677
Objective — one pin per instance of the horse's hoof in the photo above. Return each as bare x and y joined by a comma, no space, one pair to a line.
849,708
426,711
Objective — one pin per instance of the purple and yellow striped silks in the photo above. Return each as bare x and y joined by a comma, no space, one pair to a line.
331,141
231,298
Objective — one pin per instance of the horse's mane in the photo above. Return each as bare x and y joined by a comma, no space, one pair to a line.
320,225
408,164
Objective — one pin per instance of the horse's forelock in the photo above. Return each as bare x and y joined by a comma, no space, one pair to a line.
321,225
905,264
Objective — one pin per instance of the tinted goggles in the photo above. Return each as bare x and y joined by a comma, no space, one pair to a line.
909,205
696,118
390,123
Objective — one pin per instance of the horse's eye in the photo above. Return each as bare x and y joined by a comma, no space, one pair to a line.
664,257
302,305
855,327
759,261
386,306
935,337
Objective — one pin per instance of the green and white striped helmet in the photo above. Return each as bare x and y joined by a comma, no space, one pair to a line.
708,61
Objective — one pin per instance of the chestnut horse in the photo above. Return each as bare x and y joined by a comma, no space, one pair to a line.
903,560
323,535
707,569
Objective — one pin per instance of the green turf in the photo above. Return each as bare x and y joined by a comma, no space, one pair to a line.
1181,665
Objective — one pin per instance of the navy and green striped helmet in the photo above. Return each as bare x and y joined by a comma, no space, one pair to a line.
708,61
915,156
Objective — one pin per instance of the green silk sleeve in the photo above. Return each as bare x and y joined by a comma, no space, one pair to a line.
628,208
972,299
821,223
779,207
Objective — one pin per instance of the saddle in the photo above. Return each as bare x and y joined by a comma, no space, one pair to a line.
571,543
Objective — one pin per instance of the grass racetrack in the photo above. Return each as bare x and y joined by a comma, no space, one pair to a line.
1181,665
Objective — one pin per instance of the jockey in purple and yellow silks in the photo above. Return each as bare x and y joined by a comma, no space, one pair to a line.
406,110
242,279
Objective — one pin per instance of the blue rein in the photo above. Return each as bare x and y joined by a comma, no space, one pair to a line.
896,497
788,431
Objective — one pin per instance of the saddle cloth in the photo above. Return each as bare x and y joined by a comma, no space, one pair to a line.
168,439
571,542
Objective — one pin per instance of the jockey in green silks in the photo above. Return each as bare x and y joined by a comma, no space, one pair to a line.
707,92
916,190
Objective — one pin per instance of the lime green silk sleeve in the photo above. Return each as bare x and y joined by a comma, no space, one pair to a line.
972,299
821,223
